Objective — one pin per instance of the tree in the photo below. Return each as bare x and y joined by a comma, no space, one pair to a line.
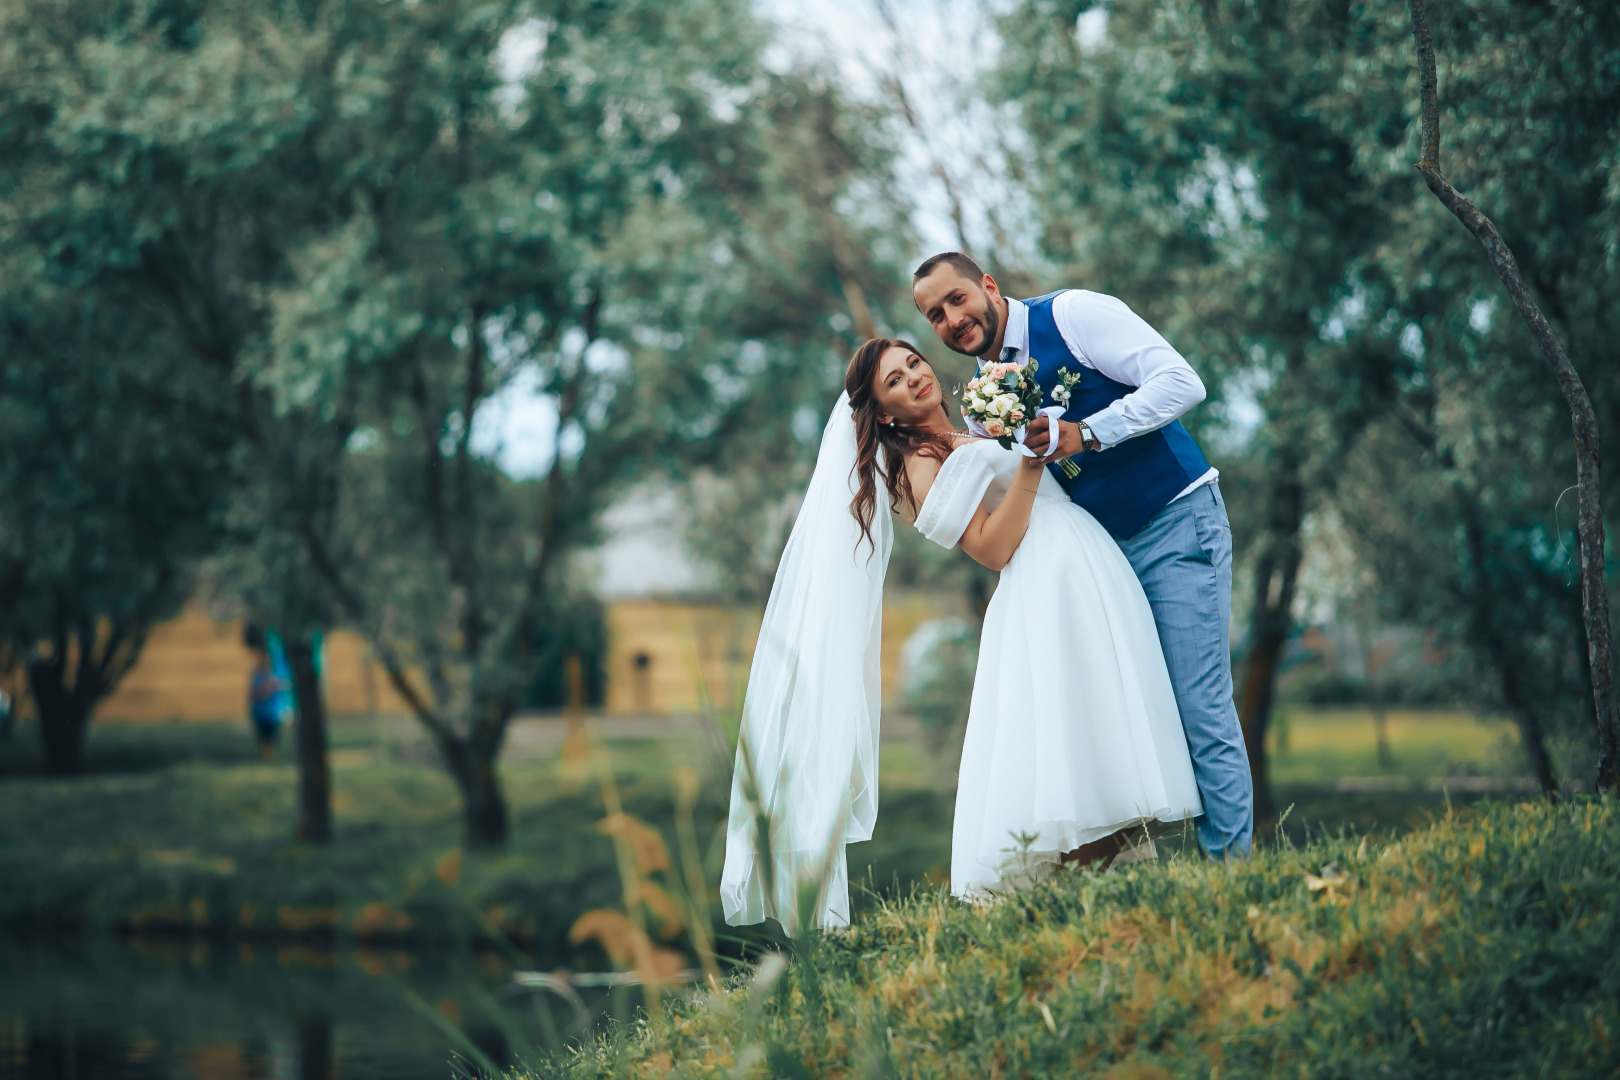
108,502
376,220
1583,417
1485,556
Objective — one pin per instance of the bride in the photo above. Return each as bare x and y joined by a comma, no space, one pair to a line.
1073,739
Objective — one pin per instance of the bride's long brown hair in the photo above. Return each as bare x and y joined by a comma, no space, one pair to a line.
896,442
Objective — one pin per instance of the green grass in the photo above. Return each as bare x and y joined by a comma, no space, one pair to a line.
1318,744
1480,946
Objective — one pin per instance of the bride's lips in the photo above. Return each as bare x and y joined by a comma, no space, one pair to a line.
927,389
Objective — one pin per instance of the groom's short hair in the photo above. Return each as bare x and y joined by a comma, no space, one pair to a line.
963,265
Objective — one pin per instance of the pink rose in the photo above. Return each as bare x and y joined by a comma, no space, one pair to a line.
995,428
1016,415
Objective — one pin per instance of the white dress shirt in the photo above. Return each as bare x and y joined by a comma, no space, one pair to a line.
1111,339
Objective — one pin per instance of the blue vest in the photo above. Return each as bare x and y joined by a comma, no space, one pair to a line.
1125,485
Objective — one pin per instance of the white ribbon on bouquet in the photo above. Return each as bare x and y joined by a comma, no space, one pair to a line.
1051,412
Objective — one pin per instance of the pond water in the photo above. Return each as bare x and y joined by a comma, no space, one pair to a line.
117,1009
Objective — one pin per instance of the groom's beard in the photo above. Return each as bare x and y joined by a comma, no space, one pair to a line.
990,324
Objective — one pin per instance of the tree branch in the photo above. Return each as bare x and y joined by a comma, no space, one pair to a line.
432,464
464,567
358,613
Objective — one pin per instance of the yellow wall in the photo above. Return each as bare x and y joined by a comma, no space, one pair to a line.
685,651
194,668
693,648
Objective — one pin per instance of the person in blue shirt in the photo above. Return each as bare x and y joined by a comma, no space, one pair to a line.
269,692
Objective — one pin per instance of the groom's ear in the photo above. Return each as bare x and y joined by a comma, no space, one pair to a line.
989,285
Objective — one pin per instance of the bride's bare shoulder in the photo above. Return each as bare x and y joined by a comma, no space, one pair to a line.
921,470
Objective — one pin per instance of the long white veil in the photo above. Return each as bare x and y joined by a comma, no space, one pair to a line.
806,780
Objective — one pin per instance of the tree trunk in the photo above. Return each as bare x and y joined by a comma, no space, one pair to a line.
1276,574
1386,757
65,687
485,822
1485,628
1582,416
1373,681
314,776
316,1059
63,719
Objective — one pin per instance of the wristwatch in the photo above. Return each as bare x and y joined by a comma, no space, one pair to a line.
1088,441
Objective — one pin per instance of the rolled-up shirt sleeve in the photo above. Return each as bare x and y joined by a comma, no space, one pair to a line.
1121,346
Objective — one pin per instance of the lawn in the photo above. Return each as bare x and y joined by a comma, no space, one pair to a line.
1321,745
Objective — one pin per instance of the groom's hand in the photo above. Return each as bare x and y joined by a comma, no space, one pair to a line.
1068,440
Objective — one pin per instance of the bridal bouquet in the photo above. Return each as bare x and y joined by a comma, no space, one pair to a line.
1002,399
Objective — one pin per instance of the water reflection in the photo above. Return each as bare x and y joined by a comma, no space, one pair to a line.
111,1009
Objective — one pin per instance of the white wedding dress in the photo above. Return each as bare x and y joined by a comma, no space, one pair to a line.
1073,730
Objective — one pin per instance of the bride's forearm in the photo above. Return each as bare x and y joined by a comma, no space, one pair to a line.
992,537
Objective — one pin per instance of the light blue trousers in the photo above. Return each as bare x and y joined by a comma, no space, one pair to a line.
1183,556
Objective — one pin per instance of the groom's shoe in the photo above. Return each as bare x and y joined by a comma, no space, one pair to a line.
1138,848
1098,851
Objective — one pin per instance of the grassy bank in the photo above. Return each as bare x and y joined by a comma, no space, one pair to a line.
1480,946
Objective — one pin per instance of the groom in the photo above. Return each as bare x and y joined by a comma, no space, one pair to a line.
1123,455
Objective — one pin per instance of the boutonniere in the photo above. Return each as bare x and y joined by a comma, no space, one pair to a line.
1066,382
1062,391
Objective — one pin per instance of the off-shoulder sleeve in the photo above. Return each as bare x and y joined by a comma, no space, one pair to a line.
955,496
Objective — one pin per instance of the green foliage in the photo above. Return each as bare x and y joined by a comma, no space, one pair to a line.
1458,499
1242,175
573,626
1476,947
107,504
